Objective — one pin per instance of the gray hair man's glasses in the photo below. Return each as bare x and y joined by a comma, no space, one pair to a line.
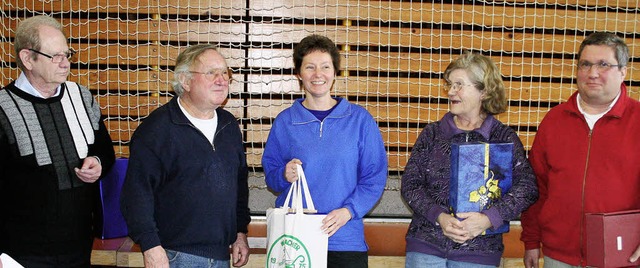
57,58
226,73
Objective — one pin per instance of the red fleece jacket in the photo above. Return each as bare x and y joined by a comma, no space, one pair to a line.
581,171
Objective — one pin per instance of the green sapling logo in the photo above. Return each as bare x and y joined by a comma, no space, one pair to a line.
288,252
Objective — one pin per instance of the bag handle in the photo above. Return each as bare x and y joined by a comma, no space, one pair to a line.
295,195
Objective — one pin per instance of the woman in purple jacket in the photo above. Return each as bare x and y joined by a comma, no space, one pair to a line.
435,238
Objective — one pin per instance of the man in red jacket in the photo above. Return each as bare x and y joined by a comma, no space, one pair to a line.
585,156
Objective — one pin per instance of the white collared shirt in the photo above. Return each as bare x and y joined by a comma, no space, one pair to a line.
23,84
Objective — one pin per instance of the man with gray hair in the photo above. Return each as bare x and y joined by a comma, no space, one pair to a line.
53,147
185,196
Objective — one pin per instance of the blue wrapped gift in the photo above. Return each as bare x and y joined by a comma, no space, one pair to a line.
480,175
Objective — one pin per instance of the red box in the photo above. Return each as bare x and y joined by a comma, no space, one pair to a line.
612,238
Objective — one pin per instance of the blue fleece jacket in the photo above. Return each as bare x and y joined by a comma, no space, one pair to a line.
182,192
344,160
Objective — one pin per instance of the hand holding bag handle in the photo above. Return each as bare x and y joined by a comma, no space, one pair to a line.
286,228
295,195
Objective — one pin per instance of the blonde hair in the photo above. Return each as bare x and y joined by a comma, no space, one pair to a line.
486,77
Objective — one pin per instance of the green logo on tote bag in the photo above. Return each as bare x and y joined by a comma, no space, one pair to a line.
288,252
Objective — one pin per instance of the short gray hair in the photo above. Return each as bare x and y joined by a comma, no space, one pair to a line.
185,60
28,35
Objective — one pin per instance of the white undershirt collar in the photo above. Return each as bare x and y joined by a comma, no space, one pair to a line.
208,127
593,118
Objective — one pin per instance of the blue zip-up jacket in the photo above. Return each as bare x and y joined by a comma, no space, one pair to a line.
182,192
425,188
343,158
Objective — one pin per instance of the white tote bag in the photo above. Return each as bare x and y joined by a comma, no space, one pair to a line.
294,235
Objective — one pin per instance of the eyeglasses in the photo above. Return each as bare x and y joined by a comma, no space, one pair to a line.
57,58
602,66
456,86
213,73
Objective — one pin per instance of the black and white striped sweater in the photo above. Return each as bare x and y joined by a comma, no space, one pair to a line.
46,208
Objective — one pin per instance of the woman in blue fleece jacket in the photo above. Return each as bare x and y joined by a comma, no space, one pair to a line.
339,146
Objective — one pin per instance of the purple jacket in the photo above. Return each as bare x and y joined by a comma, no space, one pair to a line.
425,188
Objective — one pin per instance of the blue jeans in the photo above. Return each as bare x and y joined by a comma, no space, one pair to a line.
179,259
418,260
551,263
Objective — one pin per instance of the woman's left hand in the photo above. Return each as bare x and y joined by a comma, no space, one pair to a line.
334,220
474,222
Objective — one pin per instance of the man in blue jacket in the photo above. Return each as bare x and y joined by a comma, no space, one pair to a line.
185,196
